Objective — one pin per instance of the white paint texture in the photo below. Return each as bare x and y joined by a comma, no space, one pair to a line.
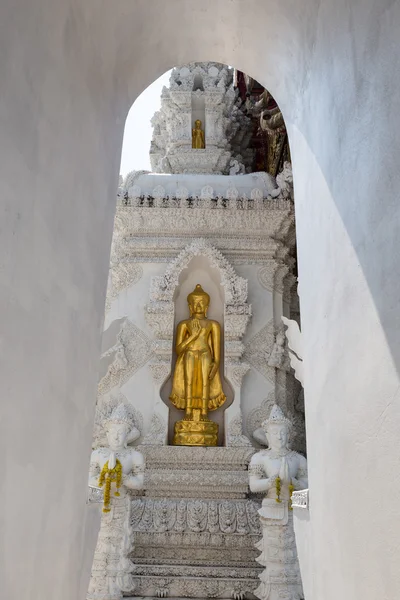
69,72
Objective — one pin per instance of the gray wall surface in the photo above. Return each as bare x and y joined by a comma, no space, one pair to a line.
69,72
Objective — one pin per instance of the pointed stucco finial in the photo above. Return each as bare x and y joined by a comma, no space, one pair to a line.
276,417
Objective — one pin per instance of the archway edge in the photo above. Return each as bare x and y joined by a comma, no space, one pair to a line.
70,71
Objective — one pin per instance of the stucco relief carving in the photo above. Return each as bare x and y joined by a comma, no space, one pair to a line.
195,523
186,472
235,287
279,357
123,272
214,516
300,499
157,433
160,310
276,275
157,234
160,369
121,277
188,587
235,435
134,352
208,458
258,350
196,477
234,369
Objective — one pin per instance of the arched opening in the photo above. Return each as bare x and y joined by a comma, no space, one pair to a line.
346,227
222,219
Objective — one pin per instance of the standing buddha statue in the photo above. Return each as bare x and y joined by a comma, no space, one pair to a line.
198,136
196,386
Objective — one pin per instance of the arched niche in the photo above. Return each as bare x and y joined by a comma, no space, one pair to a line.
200,262
198,108
198,100
199,270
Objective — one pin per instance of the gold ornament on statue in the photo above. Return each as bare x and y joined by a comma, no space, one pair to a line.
198,136
196,386
107,477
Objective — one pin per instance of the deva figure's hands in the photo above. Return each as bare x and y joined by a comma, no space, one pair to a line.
284,471
112,460
213,370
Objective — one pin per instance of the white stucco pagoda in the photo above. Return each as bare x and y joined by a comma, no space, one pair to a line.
201,91
195,523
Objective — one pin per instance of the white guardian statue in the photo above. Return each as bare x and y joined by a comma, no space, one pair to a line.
115,469
277,472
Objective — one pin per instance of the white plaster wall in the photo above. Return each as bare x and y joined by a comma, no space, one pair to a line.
199,112
70,71
130,303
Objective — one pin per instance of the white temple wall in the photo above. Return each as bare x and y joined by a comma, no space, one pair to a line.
70,72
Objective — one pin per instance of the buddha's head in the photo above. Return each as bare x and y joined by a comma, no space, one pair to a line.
198,302
197,124
277,429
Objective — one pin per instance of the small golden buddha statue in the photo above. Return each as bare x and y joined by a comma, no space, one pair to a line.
198,135
196,386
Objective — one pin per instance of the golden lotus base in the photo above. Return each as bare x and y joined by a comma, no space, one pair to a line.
195,433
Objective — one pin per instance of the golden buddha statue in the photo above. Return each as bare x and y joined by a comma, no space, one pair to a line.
198,135
196,386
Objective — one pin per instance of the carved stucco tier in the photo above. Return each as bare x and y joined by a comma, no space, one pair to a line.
195,528
228,129
257,233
